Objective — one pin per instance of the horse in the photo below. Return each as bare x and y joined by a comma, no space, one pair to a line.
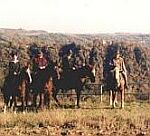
42,86
17,86
116,84
74,79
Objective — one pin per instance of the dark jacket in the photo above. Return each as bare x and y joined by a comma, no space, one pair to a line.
14,68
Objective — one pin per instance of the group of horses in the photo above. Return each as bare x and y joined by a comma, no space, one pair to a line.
19,87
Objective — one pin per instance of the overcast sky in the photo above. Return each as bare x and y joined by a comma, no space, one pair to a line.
76,16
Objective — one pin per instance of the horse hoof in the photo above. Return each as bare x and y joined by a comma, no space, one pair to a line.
113,106
5,111
122,107
77,107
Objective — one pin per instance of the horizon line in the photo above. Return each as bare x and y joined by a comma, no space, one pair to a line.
88,33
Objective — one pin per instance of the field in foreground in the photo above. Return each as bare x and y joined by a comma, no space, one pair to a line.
134,120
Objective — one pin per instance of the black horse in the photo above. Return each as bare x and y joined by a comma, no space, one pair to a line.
16,86
74,79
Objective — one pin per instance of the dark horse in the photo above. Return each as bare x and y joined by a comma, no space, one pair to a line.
74,79
17,86
115,88
43,86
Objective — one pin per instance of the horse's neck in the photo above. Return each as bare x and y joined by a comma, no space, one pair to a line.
22,75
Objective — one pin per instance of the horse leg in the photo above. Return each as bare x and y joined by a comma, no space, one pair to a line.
78,92
122,98
48,99
14,100
5,107
34,100
26,100
6,101
110,97
54,95
116,101
41,105
11,103
114,95
27,95
23,104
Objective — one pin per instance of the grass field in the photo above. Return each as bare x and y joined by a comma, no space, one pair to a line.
93,119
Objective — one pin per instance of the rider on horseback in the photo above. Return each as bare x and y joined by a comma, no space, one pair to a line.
46,53
39,66
40,62
68,61
93,56
14,65
68,65
119,65
14,69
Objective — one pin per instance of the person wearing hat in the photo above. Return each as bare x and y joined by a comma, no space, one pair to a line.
14,64
41,61
68,61
46,53
118,63
68,65
39,66
13,69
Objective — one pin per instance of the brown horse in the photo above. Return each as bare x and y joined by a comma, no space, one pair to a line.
74,79
118,85
16,86
42,86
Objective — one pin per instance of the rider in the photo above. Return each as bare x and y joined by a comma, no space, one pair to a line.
93,55
14,64
68,61
14,69
118,62
68,64
46,52
40,64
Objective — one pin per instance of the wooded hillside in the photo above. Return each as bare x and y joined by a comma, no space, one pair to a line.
135,48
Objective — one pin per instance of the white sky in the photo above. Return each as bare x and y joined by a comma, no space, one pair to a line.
76,16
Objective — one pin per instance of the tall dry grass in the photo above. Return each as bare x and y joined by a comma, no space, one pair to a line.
134,119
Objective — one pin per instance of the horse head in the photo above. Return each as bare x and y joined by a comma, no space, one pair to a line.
115,77
89,72
25,72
